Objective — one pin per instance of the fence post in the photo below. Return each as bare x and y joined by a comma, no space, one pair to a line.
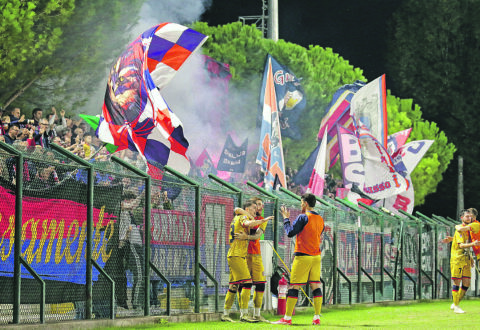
147,231
17,251
88,250
197,231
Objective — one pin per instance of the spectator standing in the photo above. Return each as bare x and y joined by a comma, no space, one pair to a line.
37,114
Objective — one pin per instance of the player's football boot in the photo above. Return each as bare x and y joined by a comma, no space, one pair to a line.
458,310
316,322
248,319
283,321
226,318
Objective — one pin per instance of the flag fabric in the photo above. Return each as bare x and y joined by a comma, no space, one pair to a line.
304,172
205,164
270,152
317,179
233,158
290,97
369,109
350,158
94,121
403,201
396,140
134,114
381,178
407,157
338,113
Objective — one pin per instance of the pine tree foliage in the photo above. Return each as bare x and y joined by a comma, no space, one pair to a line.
322,72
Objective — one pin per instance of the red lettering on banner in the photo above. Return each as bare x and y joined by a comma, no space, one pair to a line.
401,203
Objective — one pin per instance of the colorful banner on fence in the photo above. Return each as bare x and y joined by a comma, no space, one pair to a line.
290,98
369,109
233,158
54,234
350,158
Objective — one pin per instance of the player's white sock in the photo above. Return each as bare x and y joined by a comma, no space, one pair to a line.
243,312
286,317
256,311
316,317
226,312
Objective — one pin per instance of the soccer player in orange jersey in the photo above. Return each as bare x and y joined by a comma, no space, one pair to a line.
306,267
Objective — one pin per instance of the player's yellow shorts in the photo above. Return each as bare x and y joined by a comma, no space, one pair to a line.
255,266
238,270
306,269
460,270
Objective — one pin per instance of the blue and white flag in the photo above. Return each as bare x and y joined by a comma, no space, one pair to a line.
290,98
270,152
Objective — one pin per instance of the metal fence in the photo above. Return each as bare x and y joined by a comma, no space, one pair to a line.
87,250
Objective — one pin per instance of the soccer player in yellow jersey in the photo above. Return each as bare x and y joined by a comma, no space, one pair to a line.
460,261
236,258
254,258
306,267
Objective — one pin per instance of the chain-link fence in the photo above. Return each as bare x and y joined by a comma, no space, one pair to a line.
86,241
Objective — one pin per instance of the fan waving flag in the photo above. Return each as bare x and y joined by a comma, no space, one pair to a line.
270,152
134,113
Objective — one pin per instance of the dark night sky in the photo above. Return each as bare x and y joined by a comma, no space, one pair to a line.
357,30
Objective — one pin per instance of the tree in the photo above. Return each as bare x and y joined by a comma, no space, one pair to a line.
322,72
433,58
83,39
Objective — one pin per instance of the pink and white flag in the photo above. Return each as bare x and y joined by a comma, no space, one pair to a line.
317,180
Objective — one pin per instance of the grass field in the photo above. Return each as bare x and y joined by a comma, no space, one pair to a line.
417,315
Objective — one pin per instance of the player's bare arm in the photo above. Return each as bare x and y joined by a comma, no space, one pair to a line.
469,245
253,223
240,211
245,236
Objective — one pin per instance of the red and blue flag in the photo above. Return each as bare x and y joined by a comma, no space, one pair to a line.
134,113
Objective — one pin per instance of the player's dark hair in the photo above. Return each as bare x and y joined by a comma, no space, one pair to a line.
310,199
473,211
248,204
255,199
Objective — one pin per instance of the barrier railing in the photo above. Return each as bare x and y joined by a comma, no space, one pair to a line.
398,247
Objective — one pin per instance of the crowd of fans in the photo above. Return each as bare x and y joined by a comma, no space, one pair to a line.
42,128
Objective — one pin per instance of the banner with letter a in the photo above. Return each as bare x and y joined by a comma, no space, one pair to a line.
290,98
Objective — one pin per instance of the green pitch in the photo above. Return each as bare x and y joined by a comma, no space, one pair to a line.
417,315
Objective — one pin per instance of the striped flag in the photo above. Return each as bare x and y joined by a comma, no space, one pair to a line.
338,113
270,152
317,179
134,114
